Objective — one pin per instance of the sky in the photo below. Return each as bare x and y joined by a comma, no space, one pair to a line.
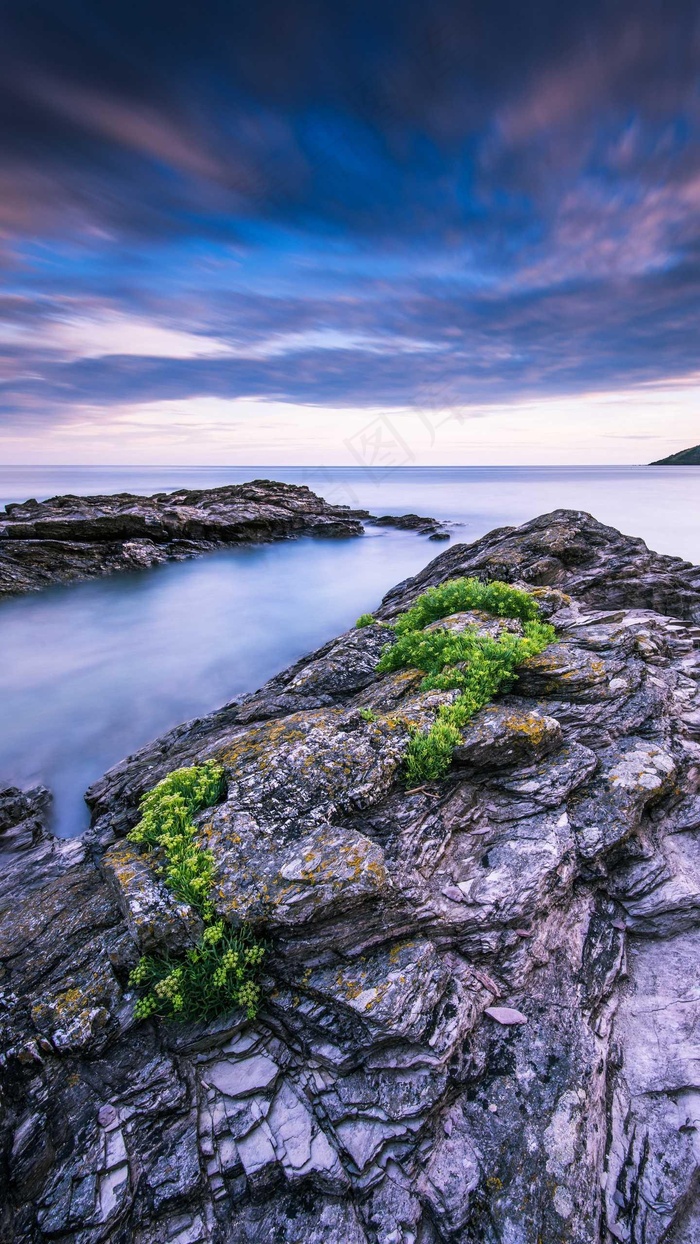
343,232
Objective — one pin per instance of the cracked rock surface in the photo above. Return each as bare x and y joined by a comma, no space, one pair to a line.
70,538
481,1019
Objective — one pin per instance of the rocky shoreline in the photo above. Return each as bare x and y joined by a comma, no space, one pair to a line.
66,539
481,1003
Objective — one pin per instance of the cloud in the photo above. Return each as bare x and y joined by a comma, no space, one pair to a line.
337,205
393,346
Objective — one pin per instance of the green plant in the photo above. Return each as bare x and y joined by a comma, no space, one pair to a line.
166,823
365,619
477,666
219,972
457,595
214,977
368,714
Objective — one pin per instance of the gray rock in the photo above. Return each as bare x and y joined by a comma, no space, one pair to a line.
572,552
69,538
155,919
499,737
237,1078
414,522
390,1091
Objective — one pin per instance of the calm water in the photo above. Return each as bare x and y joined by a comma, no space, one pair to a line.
91,672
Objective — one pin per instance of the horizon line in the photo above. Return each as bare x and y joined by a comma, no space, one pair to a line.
324,466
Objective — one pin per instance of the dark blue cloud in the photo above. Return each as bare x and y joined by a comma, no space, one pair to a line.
488,349
488,200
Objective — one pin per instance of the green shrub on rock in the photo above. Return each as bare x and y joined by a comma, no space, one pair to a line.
214,977
166,823
476,665
218,973
458,595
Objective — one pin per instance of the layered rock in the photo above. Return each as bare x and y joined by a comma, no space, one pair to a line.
69,538
481,1002
570,550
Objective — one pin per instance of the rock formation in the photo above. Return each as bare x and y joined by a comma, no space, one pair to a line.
481,1006
70,538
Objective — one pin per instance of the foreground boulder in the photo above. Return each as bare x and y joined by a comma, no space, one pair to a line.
481,1003
69,538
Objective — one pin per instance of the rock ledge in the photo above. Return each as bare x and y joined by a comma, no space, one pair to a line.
70,538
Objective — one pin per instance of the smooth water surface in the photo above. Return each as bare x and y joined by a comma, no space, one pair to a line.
91,672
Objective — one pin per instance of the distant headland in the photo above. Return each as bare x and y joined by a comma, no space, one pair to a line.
686,457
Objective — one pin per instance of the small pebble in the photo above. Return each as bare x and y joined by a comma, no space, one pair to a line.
493,1108
453,893
447,1127
505,1015
523,932
619,924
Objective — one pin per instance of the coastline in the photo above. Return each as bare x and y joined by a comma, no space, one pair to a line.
69,539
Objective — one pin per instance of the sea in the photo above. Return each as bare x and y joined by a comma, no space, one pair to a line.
91,672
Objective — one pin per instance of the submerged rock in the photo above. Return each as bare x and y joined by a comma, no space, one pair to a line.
481,998
414,522
69,538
